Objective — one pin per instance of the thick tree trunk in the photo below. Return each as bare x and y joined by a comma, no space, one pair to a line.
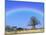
33,27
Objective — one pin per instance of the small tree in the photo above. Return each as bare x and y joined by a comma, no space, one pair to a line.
19,29
33,22
14,28
7,28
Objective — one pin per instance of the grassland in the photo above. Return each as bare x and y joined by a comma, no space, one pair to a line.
24,32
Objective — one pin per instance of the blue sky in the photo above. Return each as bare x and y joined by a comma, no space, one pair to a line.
19,13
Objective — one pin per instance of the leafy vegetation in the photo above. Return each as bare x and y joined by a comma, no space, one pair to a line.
33,22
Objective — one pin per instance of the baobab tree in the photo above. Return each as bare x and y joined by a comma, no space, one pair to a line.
33,22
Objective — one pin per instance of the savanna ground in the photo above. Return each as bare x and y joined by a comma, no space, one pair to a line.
24,32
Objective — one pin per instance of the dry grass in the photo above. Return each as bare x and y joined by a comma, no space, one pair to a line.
24,31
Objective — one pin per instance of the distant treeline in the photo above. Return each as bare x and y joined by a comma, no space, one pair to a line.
14,28
33,22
